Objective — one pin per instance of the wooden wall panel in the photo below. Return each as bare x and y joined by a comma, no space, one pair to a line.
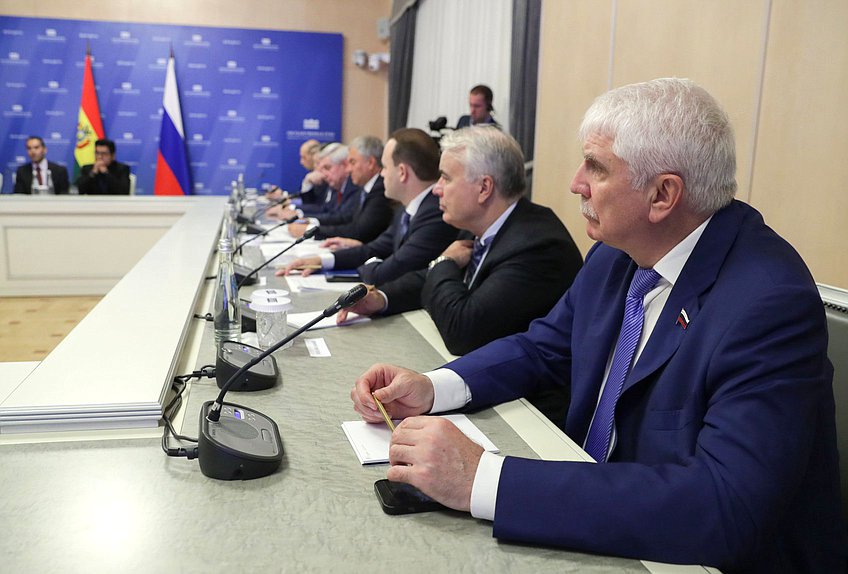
779,68
717,44
801,170
573,64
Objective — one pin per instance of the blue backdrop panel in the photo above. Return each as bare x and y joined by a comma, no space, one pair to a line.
249,97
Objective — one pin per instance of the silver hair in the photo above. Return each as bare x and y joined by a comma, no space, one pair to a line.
670,125
335,151
369,146
486,150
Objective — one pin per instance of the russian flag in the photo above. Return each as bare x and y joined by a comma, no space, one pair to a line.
172,175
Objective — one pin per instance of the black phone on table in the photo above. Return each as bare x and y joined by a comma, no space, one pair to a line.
402,498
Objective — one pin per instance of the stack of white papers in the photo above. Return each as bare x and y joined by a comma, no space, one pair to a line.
370,441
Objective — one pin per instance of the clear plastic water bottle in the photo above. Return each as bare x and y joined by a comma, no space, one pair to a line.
50,189
226,312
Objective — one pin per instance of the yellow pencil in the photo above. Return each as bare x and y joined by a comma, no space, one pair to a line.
385,414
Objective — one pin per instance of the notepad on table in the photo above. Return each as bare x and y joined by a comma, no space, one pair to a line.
370,441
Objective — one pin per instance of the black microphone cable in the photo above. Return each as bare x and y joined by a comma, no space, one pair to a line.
345,300
179,385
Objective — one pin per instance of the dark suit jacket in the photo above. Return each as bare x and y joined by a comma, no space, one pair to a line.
726,452
530,264
335,212
427,237
116,180
317,196
58,173
370,218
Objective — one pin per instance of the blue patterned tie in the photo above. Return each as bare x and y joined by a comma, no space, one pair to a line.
600,432
476,257
404,225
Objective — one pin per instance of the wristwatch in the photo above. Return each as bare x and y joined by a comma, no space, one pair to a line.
438,260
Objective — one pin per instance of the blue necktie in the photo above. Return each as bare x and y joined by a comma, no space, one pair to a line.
404,226
476,257
600,432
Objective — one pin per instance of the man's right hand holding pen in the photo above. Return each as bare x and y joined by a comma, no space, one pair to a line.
430,453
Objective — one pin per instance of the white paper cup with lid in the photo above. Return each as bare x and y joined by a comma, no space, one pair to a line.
271,320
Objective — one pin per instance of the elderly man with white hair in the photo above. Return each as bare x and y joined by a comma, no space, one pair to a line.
695,345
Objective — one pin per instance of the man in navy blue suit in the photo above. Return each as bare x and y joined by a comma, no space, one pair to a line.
695,343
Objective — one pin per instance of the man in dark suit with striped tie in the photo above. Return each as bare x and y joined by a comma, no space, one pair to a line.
417,233
524,261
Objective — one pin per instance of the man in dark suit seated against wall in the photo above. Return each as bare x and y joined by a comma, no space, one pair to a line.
39,175
106,176
417,234
343,198
374,213
480,108
313,187
695,344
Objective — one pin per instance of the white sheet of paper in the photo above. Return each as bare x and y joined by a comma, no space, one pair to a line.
308,248
298,320
370,441
315,283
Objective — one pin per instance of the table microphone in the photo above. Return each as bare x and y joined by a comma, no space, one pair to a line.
265,232
257,214
308,234
236,442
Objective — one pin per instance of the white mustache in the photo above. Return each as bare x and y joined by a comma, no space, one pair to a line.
587,210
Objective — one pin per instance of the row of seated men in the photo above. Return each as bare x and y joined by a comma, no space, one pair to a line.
483,260
106,176
692,343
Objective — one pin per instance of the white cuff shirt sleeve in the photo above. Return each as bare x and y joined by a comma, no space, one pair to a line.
328,260
484,491
385,302
450,391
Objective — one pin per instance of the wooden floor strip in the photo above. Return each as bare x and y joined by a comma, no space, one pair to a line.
31,327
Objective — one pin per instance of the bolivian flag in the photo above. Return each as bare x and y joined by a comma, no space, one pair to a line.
89,124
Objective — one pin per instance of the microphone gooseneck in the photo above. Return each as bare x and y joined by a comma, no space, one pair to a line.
345,300
308,234
286,196
266,232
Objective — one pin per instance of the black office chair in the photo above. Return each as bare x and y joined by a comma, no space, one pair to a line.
836,308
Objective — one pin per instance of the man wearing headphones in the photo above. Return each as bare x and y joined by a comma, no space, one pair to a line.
479,107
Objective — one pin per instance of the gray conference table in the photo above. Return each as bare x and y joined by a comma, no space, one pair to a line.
123,506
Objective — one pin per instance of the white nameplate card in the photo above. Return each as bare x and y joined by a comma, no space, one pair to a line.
317,347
